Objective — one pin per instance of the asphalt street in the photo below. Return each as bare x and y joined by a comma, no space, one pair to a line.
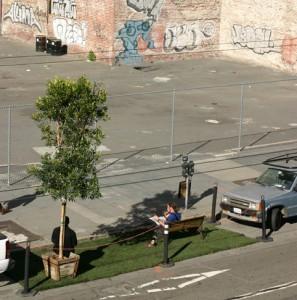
137,172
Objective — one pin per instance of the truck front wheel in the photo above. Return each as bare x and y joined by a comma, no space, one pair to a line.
276,220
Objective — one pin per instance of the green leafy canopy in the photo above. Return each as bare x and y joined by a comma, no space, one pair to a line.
67,115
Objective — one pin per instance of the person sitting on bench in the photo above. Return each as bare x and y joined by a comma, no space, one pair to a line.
171,215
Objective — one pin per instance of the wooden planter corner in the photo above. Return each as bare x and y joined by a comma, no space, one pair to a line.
56,268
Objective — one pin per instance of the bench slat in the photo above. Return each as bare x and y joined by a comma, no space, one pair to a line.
195,222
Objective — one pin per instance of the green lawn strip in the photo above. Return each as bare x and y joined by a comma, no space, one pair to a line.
101,262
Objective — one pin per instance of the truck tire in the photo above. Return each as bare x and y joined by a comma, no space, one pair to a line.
276,220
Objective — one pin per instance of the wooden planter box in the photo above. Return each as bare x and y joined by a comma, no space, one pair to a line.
56,268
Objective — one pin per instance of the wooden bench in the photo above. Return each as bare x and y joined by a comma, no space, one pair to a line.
194,224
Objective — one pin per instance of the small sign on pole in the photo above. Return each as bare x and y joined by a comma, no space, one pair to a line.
182,189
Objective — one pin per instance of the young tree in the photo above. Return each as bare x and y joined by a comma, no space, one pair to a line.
67,115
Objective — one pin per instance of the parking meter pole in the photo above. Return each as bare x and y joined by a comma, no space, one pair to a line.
263,218
26,273
264,237
214,203
166,262
187,193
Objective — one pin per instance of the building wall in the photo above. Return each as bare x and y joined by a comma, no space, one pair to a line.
84,25
24,19
165,29
263,32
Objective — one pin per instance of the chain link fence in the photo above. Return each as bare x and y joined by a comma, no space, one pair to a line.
160,125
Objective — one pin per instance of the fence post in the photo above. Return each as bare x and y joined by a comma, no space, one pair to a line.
8,144
241,117
214,203
166,262
172,124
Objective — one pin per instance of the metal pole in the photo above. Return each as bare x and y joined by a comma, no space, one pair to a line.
26,273
172,125
8,144
263,214
241,117
187,192
166,262
214,203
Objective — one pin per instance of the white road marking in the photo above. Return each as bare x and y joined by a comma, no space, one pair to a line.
293,124
44,149
225,154
131,294
161,79
199,277
154,290
148,284
212,121
181,277
265,291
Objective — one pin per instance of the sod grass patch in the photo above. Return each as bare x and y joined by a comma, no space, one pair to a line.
97,260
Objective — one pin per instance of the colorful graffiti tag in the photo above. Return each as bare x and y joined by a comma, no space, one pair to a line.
129,34
70,31
19,13
188,36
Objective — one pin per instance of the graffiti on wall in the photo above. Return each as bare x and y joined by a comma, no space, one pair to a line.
70,31
189,36
130,35
64,8
257,39
19,13
151,8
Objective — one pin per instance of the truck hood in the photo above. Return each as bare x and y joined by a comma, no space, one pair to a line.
254,191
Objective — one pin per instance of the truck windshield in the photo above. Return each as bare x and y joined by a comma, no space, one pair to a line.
278,178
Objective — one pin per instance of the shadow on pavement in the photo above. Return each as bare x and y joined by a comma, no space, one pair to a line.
138,217
20,201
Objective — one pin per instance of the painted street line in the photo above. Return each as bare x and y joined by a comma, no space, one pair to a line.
197,277
265,291
148,284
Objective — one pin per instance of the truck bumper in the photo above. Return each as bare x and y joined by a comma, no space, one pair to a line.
245,215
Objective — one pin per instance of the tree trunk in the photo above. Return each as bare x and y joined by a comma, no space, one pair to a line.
62,229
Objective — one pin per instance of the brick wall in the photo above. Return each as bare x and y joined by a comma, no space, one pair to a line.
165,29
263,32
24,19
90,26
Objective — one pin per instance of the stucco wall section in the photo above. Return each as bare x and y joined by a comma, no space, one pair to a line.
165,29
24,19
263,32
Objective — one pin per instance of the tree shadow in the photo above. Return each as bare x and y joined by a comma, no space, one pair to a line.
86,258
19,201
138,217
35,266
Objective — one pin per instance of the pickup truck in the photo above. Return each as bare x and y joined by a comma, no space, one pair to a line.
5,261
277,185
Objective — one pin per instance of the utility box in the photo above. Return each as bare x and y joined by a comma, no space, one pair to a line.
53,45
40,45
